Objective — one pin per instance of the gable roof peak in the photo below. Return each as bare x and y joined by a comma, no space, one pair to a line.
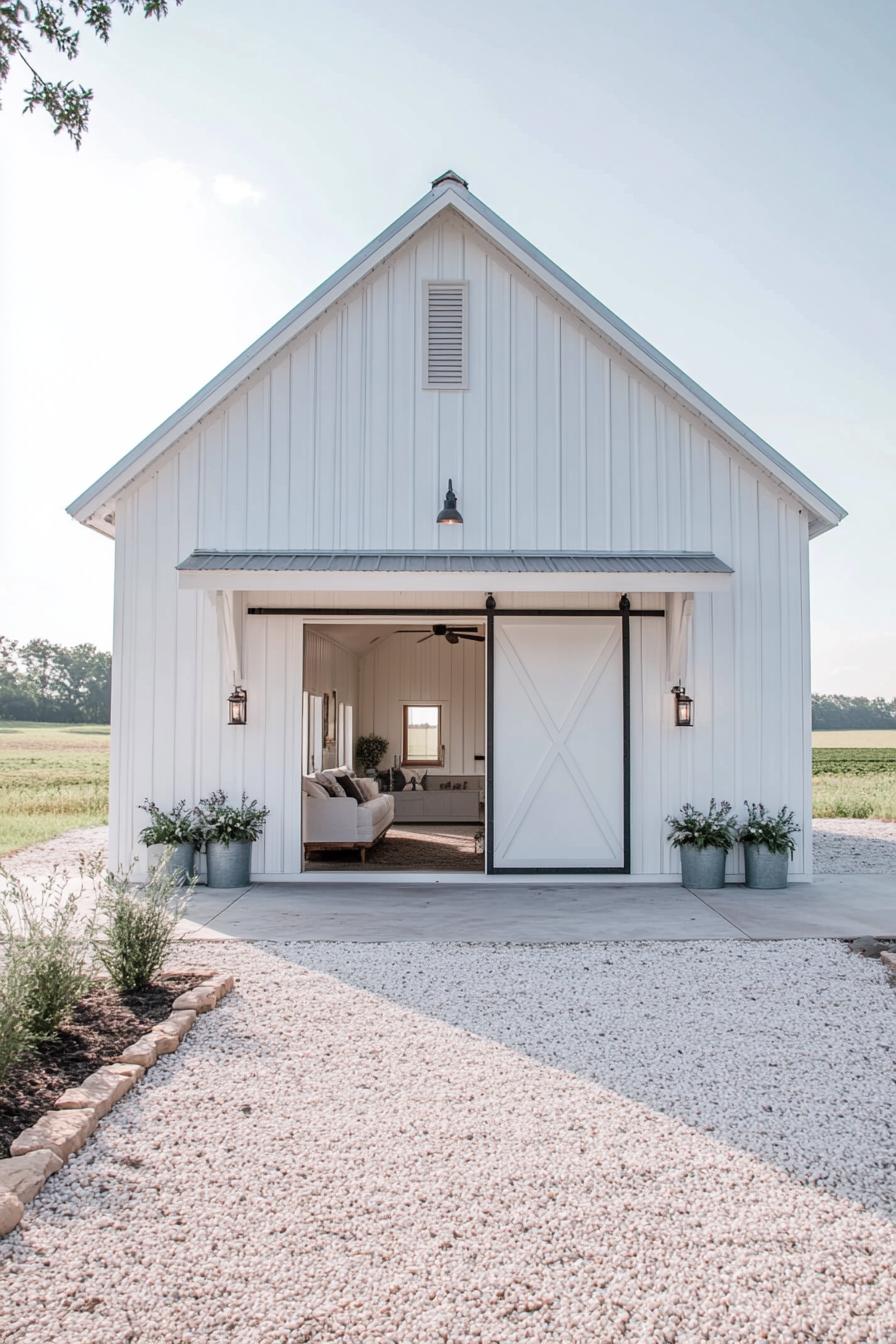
450,176
450,191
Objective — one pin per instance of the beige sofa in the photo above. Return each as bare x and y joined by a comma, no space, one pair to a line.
342,823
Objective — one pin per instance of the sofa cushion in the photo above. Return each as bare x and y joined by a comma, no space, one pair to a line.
312,789
375,816
329,820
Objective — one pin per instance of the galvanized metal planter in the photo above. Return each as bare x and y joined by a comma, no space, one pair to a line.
702,869
180,863
765,871
228,865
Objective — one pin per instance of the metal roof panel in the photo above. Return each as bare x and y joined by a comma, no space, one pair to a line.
468,562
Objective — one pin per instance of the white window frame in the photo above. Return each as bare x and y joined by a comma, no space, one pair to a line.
440,705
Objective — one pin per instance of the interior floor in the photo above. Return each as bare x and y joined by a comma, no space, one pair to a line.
412,846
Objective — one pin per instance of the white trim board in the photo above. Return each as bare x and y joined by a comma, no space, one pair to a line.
319,581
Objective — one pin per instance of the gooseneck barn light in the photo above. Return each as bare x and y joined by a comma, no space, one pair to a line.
236,707
449,513
684,708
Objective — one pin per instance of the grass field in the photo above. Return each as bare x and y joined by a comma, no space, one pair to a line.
53,777
854,774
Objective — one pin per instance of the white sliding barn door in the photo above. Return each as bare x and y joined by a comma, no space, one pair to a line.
558,776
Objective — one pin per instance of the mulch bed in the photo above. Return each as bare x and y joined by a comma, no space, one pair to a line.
102,1025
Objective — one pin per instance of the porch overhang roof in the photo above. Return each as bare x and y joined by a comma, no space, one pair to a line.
455,571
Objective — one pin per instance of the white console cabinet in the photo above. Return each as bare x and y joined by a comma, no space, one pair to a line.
437,805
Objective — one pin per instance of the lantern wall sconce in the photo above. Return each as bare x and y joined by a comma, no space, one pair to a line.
449,513
236,707
684,708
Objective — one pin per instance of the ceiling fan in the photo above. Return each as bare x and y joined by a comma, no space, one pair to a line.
452,633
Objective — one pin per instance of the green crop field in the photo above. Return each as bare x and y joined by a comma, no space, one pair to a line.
854,774
53,777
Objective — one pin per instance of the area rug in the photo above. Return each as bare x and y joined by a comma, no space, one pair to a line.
407,849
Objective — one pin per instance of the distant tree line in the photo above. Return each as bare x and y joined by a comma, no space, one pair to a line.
852,711
54,684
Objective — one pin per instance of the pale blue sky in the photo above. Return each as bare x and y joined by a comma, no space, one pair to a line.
721,175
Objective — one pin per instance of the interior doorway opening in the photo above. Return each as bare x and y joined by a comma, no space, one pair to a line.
393,746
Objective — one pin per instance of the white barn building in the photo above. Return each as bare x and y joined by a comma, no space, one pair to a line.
622,534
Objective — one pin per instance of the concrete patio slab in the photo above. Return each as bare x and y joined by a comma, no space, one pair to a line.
205,905
516,914
832,907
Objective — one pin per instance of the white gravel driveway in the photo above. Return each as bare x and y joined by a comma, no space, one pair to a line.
493,1144
853,845
63,851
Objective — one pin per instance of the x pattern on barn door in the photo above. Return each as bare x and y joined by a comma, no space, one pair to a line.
558,773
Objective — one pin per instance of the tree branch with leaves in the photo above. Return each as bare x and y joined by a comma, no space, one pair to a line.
68,104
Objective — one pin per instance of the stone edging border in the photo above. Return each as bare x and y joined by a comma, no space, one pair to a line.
42,1149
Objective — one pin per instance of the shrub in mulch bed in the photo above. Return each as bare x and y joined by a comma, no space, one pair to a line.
102,1024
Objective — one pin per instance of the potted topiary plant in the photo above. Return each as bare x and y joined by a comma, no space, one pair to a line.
229,832
703,840
767,839
172,839
369,751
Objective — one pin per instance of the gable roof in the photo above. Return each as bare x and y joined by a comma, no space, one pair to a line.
451,191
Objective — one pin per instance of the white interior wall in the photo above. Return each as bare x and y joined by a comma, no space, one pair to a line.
330,667
399,671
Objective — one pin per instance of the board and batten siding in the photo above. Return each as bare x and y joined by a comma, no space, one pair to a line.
558,443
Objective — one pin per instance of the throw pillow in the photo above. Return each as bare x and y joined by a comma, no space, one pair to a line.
350,785
312,789
330,783
369,788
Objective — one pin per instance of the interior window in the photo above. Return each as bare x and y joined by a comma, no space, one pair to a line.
422,737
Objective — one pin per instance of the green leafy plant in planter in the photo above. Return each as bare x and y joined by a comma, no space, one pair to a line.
178,831
229,831
704,840
767,838
370,750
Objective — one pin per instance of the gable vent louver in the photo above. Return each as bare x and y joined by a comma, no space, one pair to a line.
446,335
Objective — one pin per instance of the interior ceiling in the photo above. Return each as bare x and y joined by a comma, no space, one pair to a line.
360,638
